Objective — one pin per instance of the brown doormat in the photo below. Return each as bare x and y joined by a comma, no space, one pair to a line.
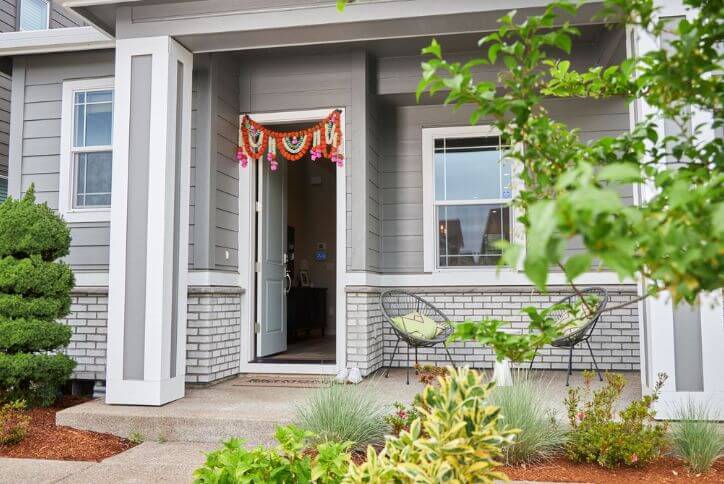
289,381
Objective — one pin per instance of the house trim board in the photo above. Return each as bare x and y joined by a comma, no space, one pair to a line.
67,39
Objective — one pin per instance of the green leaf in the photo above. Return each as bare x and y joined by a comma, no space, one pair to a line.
621,172
718,218
433,49
493,52
577,265
563,42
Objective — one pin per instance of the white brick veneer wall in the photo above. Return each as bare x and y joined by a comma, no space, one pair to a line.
615,341
212,336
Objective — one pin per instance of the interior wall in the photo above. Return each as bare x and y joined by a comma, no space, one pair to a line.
311,210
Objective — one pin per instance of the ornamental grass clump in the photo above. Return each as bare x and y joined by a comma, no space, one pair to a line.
34,294
456,438
696,436
523,407
634,438
344,413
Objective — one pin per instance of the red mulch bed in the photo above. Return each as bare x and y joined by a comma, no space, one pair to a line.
45,440
666,469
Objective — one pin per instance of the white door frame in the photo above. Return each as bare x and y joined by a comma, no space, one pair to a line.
247,251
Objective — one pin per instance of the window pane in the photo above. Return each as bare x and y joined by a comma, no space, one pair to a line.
33,15
99,96
99,124
93,179
467,234
468,168
79,125
3,188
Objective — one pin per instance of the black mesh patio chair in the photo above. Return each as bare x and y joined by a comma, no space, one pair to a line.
582,333
395,304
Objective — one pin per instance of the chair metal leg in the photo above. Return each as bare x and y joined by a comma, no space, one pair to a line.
594,360
449,356
416,364
533,359
407,367
570,365
392,359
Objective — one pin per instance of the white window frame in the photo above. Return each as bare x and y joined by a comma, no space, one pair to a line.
430,234
67,172
47,17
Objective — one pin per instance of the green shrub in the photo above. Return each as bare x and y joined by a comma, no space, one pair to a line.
34,294
455,439
596,436
401,418
696,437
28,229
344,413
523,407
14,422
290,462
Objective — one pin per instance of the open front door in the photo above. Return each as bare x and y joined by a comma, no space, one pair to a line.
271,282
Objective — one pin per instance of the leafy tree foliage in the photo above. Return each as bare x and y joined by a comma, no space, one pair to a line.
673,238
34,293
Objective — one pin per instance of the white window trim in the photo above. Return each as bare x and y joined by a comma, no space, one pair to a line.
65,192
428,196
47,17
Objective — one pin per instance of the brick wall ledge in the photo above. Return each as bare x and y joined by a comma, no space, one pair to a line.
216,290
103,290
478,289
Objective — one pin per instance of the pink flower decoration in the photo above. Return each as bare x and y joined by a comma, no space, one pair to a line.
337,159
316,154
242,158
272,159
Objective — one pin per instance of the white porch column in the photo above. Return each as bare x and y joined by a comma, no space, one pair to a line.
149,222
684,341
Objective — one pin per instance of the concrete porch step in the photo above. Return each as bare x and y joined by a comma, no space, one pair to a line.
216,413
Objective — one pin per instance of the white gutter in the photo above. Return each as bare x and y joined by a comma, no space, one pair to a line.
54,40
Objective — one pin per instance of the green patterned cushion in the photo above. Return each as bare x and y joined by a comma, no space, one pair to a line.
417,325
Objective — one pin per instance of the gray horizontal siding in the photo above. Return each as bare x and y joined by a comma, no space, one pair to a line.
5,83
44,78
226,121
62,17
8,15
401,173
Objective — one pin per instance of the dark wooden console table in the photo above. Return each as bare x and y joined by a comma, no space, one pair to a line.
306,310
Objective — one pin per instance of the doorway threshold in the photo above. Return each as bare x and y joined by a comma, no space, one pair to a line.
293,361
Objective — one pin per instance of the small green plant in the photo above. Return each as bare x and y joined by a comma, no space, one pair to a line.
456,438
14,422
292,461
344,413
136,437
523,407
34,294
428,374
161,439
597,436
696,437
401,418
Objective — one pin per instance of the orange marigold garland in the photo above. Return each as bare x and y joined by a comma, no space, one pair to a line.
323,140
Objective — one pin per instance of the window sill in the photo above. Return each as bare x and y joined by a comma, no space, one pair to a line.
87,215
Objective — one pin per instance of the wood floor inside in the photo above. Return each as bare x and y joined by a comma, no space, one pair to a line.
308,350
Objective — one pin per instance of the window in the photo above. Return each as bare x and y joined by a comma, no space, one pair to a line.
34,14
468,188
87,151
3,188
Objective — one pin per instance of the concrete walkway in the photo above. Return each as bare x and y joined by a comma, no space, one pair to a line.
226,410
149,462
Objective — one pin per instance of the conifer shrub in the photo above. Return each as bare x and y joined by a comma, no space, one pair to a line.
34,294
